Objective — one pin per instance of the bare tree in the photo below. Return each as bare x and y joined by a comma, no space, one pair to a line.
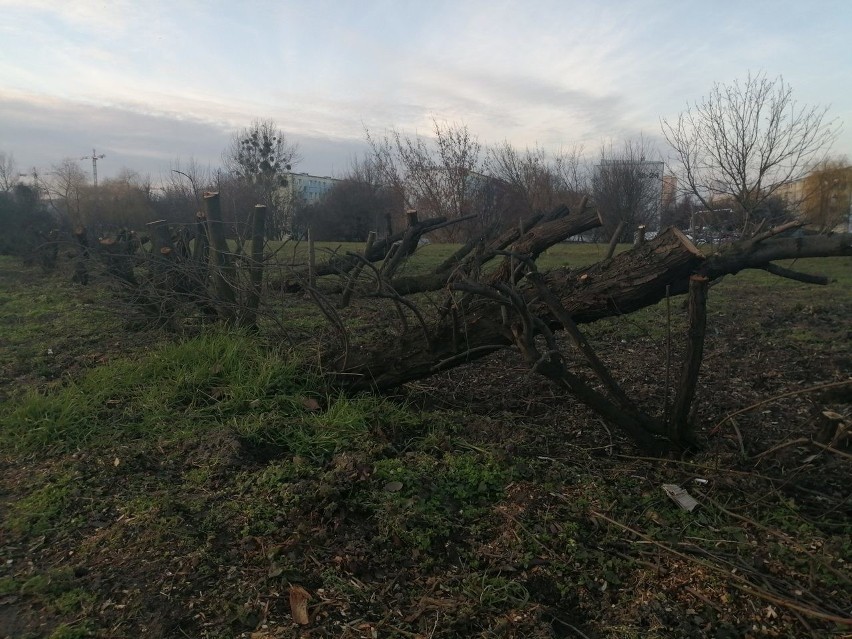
627,187
261,156
126,201
441,176
9,175
744,140
572,168
69,191
358,203
826,194
529,175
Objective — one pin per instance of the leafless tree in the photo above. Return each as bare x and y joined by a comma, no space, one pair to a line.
573,170
362,201
744,140
440,176
9,175
69,193
261,156
626,185
825,197
126,201
530,176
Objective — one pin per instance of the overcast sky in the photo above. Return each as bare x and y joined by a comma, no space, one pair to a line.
149,82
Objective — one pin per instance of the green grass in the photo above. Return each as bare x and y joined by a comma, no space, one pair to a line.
206,460
44,322
183,390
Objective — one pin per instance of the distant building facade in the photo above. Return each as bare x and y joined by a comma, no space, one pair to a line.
832,190
308,188
669,191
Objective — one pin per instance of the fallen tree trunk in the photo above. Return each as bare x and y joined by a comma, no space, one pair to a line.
341,264
626,283
528,241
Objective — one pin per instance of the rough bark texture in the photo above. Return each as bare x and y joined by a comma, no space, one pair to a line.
221,268
258,235
680,424
626,283
529,239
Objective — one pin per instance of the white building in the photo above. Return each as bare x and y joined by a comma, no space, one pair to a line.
308,188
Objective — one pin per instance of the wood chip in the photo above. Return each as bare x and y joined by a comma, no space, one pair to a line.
299,598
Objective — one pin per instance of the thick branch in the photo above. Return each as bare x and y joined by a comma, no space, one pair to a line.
679,424
790,274
628,282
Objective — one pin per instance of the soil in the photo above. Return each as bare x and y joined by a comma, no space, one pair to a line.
575,538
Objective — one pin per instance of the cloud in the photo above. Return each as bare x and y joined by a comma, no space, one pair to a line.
42,131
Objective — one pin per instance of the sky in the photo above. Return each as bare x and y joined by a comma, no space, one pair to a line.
152,83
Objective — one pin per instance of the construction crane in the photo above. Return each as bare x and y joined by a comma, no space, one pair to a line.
94,157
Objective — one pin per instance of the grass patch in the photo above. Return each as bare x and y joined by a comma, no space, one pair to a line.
180,491
182,390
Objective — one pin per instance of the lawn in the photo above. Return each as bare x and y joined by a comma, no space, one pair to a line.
179,487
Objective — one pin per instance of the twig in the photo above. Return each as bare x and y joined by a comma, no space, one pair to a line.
759,237
777,533
737,581
781,446
715,429
831,449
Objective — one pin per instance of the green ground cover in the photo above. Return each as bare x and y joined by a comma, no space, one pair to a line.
166,488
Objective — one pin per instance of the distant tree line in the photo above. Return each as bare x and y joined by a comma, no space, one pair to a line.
736,152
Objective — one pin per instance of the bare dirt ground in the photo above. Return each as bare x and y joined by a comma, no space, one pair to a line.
500,508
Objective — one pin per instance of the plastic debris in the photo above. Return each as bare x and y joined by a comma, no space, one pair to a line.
679,496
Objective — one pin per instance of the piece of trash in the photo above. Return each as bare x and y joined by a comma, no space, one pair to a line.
679,496
50,351
699,480
116,462
299,605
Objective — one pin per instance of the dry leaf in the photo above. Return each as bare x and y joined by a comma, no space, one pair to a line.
393,486
299,598
309,403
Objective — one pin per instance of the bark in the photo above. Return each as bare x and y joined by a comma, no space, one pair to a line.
344,263
258,235
626,283
623,284
680,424
733,258
613,241
528,241
220,264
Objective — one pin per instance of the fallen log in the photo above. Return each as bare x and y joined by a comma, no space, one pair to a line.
623,284
528,241
342,264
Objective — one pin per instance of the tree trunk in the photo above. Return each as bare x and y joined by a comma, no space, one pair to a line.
255,265
626,283
623,284
680,423
220,265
